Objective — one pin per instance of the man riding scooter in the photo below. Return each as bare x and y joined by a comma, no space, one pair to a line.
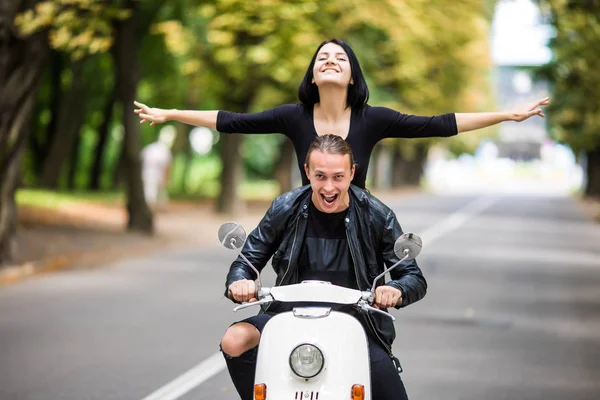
330,231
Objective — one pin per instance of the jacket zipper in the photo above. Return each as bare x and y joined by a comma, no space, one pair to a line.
385,346
292,252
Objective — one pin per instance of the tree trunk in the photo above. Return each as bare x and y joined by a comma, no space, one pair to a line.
382,173
408,170
592,187
119,168
36,147
374,170
414,172
398,166
57,65
283,173
8,208
74,164
229,200
21,67
103,135
127,76
184,132
70,119
41,136
188,153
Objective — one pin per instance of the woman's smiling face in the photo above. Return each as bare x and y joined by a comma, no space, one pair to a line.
332,66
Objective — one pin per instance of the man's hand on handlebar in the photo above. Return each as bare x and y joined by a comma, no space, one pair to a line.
243,291
386,297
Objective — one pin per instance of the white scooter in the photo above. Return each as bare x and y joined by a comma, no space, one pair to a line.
314,353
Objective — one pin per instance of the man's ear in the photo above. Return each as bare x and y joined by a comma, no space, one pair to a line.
352,171
306,170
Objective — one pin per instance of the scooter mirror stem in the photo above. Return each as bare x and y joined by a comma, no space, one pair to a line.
258,281
387,270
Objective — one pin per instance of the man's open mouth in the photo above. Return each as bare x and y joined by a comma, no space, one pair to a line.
329,200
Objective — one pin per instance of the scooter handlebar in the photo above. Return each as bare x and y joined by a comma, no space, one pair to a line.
264,300
368,308
263,292
365,302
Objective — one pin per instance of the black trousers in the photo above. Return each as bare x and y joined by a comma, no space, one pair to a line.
386,383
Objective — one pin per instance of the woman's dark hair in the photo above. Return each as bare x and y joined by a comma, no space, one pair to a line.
330,144
358,92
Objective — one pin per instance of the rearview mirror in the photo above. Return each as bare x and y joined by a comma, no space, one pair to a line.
232,235
408,245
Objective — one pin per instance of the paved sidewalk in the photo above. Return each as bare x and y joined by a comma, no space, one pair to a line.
90,234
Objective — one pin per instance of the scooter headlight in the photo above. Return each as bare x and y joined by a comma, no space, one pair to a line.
307,361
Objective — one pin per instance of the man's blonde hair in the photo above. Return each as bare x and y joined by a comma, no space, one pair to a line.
330,144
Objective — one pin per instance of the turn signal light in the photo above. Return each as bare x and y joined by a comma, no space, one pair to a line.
260,391
358,392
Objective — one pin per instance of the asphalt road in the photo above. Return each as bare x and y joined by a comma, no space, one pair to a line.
512,312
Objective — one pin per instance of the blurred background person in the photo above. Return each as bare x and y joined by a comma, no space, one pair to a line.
156,160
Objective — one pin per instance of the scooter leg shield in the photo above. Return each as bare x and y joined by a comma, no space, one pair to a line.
340,338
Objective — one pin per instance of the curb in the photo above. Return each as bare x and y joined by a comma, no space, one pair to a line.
17,273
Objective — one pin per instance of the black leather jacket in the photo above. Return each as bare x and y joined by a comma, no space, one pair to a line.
372,229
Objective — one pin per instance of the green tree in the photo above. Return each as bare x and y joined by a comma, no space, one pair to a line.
248,56
424,58
29,29
21,66
574,72
242,56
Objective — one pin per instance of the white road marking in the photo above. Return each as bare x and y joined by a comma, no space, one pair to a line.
454,221
189,380
216,363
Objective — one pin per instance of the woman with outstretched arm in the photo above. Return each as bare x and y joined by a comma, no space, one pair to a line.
333,100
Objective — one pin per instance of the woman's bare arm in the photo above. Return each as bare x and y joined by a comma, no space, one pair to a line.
471,121
207,119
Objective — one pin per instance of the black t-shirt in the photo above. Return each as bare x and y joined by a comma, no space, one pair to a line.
325,255
368,125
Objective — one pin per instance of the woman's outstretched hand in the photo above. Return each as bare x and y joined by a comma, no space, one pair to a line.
153,115
530,109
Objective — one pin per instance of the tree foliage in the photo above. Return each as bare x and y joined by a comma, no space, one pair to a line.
77,27
422,57
574,72
81,28
418,58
